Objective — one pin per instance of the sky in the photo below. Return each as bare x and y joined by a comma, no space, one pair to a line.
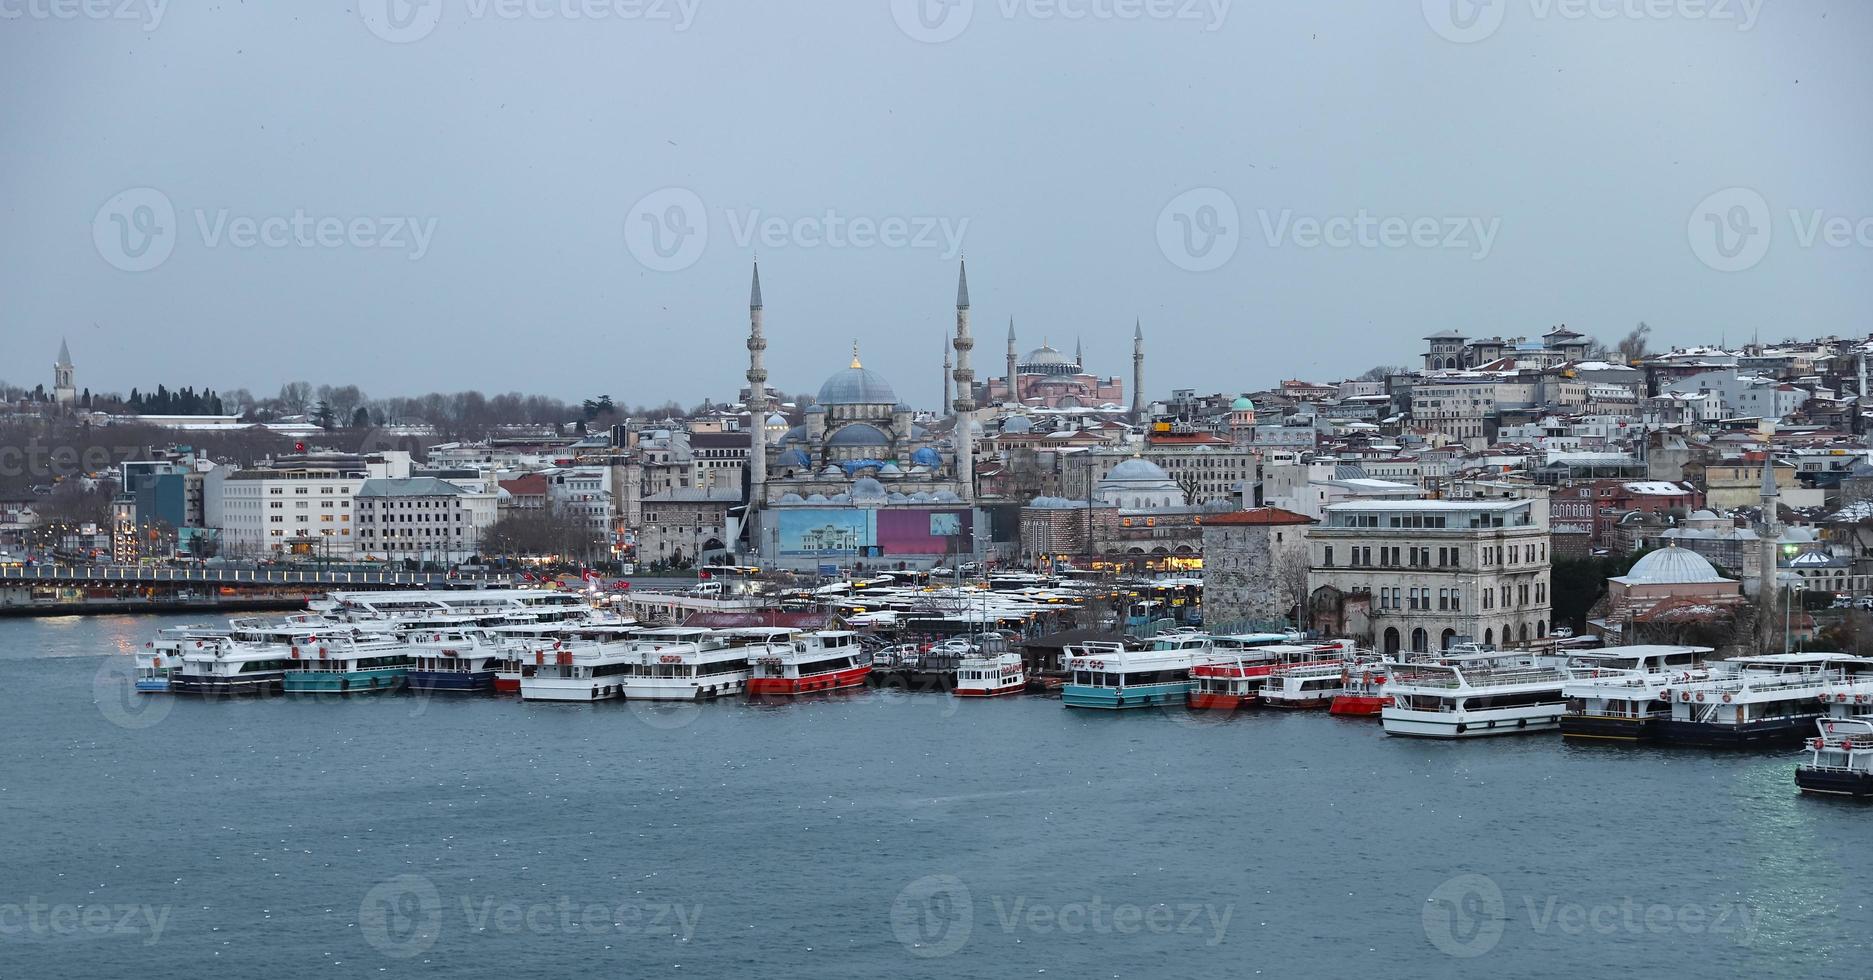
564,196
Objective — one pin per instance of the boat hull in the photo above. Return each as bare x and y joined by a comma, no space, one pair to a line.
1769,731
346,682
506,685
835,681
1834,782
452,681
991,692
1213,701
1121,699
650,689
1454,725
1359,705
1297,704
577,692
153,685
256,685
1606,728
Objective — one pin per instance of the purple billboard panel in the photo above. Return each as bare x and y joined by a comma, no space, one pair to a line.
914,531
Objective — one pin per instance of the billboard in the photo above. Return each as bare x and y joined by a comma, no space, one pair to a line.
916,531
823,531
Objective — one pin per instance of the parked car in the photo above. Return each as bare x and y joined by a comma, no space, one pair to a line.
1562,632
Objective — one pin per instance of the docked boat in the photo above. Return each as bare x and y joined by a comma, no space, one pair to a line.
1620,693
1840,760
583,665
1113,677
1760,700
459,661
1234,678
1362,693
687,663
799,662
1468,695
1308,676
250,660
162,657
991,675
344,661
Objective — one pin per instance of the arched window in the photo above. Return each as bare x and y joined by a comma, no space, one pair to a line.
1541,628
1391,639
1489,638
1419,640
1525,633
1449,637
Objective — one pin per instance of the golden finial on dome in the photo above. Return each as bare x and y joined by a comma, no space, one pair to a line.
855,362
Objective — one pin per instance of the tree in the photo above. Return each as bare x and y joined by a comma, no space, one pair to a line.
294,397
1633,347
1381,372
322,416
361,419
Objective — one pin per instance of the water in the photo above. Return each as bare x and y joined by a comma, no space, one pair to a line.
877,834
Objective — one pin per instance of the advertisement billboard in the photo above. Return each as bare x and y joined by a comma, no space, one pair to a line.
823,531
919,531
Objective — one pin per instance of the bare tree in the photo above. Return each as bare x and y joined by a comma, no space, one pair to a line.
1633,346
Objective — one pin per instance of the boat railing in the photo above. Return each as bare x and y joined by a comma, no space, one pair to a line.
1504,677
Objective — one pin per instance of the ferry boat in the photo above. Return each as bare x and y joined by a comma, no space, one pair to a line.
521,643
1467,695
460,661
162,657
1234,679
687,663
1110,676
1362,693
251,659
1840,761
342,661
1309,677
1759,700
588,664
1620,693
989,675
796,662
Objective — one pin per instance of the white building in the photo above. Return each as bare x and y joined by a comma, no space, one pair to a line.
1420,574
421,518
295,505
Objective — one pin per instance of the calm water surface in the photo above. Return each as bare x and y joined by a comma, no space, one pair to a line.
873,835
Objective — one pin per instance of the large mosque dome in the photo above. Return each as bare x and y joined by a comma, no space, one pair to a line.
857,385
1672,566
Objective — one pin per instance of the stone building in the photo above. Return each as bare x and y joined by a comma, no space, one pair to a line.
1254,564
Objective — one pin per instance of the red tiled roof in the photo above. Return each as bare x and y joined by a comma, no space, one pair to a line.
531,485
1258,517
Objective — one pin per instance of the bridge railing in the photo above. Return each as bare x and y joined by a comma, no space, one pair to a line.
236,576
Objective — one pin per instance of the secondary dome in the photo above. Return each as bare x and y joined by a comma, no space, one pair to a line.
1139,470
1242,404
1673,565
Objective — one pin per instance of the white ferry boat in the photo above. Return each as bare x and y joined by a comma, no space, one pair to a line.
1769,698
1110,676
797,662
162,657
251,659
340,660
537,605
1620,693
1308,677
457,660
1840,760
1469,695
687,663
522,643
989,675
585,665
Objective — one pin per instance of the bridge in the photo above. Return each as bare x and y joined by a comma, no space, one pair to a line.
241,578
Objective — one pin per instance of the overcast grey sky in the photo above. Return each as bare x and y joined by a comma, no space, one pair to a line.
1276,189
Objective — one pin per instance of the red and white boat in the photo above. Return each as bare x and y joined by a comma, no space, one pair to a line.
796,662
988,676
1238,682
1364,695
1310,677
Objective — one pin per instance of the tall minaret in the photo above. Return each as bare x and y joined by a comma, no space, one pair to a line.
1767,588
1079,354
757,402
1138,370
965,403
943,406
1014,392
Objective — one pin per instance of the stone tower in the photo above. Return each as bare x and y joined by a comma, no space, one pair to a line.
757,400
944,405
965,404
64,392
1768,591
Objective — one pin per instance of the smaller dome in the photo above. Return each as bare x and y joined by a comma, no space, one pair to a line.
902,407
816,498
791,498
890,469
1242,404
1702,515
866,487
945,497
796,458
1137,469
832,471
1017,425
1220,505
859,434
927,457
795,434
